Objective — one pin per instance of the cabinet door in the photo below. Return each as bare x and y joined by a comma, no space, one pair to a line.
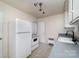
68,14
75,8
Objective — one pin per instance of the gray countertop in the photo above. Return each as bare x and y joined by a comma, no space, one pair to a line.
64,35
64,50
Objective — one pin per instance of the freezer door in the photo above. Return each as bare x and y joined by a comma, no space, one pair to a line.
23,45
23,26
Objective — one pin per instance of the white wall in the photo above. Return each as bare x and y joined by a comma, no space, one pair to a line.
10,15
53,26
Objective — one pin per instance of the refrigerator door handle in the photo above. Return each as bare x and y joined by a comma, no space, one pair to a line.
22,32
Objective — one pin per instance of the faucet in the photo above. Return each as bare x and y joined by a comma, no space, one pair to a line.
73,39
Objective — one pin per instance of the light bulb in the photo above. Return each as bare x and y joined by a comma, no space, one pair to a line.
40,9
43,12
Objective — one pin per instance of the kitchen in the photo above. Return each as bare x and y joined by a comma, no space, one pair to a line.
27,25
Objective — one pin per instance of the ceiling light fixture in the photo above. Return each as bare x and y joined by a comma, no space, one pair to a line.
39,5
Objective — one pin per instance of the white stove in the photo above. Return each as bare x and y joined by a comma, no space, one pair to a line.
35,41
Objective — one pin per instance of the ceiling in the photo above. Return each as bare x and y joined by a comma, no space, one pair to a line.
51,7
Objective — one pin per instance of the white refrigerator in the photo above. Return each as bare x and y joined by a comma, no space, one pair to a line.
21,45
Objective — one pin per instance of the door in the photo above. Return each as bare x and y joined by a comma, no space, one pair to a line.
1,32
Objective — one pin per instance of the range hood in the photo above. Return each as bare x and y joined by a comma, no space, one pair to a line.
75,21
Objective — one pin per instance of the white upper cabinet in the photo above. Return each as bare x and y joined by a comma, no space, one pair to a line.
75,11
68,13
75,8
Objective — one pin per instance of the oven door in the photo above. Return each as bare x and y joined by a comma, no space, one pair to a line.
35,41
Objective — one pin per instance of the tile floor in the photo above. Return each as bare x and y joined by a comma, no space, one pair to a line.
42,52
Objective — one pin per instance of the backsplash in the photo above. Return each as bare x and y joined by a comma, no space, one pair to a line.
76,35
76,32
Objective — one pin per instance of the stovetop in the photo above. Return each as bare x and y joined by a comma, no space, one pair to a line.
34,35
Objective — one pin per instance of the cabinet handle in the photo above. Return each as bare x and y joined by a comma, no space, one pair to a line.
76,17
0,38
74,20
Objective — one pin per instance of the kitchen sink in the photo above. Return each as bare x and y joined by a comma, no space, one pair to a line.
65,40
